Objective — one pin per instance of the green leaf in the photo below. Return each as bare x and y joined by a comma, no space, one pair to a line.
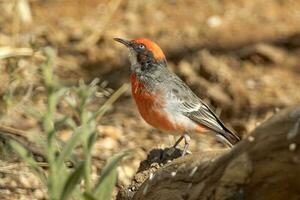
28,158
47,70
71,101
104,188
72,181
87,154
69,146
91,140
24,153
88,196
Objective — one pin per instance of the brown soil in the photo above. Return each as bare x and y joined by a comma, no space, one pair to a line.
240,56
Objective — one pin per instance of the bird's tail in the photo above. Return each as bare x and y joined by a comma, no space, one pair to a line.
228,137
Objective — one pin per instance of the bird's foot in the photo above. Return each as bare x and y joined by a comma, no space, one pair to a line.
187,140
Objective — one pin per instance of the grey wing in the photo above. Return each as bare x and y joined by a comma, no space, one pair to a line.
203,115
195,109
192,106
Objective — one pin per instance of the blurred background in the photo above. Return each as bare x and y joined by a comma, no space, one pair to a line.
242,57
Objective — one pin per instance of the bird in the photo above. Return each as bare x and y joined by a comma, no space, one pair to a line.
165,101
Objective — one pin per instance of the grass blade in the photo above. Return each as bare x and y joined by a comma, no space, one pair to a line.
104,188
28,158
69,146
72,181
88,196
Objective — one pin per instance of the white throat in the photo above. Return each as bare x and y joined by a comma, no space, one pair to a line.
133,59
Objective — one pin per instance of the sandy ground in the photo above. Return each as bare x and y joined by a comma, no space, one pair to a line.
242,57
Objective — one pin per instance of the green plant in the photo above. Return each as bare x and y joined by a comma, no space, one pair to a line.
62,182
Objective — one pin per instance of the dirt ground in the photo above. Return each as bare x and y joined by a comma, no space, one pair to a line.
242,57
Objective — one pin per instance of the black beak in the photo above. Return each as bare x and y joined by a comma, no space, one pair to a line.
125,42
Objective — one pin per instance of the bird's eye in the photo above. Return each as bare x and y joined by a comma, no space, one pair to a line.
141,46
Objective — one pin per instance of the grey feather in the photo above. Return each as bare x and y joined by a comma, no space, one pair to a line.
195,109
184,100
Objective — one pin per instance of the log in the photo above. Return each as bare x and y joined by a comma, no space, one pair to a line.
264,165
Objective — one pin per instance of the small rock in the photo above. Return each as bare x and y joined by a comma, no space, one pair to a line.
251,138
24,180
39,194
214,21
173,173
13,184
251,84
292,147
107,143
65,135
110,131
125,174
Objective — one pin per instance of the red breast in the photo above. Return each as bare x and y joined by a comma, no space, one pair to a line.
151,107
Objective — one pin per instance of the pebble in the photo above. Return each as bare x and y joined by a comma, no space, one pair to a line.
110,131
214,21
107,143
39,194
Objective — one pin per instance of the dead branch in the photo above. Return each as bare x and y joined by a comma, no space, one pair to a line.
9,133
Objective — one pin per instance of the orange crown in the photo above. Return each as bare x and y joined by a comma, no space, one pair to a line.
152,46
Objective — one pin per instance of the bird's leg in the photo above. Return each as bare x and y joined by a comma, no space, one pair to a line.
187,140
178,141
